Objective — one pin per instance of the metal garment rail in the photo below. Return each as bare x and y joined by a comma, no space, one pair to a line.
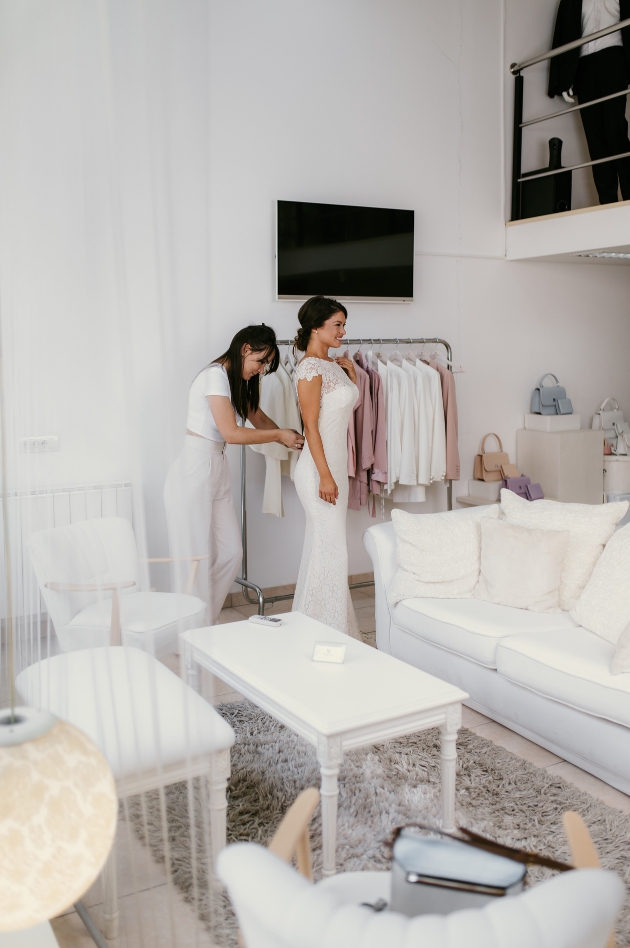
242,580
519,124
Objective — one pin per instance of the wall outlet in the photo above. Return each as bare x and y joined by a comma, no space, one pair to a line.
39,444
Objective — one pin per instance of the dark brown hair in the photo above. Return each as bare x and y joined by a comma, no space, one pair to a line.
314,314
245,394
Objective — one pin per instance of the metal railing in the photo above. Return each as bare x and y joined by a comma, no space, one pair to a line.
519,124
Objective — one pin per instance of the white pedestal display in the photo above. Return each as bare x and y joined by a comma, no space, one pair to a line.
552,422
567,464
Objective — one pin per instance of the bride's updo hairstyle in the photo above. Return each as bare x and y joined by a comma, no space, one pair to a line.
314,314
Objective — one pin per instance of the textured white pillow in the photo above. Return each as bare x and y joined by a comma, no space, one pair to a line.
590,527
438,554
621,658
604,606
521,567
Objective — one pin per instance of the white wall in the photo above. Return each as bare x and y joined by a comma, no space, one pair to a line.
384,102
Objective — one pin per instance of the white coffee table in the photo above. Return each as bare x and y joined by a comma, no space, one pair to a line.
371,697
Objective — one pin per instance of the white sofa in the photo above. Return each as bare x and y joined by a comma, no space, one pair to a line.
541,675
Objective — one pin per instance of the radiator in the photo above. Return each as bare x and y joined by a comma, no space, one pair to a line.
29,512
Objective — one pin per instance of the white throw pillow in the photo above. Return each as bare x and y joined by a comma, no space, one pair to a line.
521,567
604,606
621,658
590,527
438,554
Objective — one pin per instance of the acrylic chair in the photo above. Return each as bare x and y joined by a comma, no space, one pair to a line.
278,908
292,838
152,728
89,577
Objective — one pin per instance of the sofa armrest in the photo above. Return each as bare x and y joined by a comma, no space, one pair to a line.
380,543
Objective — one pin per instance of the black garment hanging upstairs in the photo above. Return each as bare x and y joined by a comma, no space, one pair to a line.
563,69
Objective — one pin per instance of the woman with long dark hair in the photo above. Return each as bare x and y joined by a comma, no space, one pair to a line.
199,509
327,392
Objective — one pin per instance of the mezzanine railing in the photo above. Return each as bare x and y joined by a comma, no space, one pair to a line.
519,124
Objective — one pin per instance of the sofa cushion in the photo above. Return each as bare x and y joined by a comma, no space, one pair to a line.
521,566
472,627
570,666
438,554
604,606
590,527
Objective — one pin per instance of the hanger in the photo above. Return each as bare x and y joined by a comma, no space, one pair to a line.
410,356
396,357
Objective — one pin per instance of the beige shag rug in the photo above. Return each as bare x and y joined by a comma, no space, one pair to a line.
381,787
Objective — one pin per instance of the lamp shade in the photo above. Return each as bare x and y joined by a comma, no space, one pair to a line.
58,813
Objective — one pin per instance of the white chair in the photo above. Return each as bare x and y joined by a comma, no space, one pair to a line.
89,576
152,728
278,908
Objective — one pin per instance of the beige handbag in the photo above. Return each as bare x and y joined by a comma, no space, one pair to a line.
493,465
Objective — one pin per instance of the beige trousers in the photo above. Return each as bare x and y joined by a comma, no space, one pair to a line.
201,518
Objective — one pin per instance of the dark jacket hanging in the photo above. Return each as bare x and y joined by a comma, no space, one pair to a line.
562,69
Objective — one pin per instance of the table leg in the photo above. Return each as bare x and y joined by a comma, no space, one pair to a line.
448,756
218,779
329,755
188,667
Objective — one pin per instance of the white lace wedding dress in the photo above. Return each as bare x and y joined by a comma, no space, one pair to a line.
322,587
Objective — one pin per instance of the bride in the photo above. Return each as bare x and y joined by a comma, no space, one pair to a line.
327,393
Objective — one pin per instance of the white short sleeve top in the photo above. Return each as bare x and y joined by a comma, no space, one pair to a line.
213,380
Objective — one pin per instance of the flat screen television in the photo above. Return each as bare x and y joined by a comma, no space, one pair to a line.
343,251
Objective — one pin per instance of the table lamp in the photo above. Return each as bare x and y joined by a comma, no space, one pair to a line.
58,813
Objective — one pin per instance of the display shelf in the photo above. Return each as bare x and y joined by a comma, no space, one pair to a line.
469,500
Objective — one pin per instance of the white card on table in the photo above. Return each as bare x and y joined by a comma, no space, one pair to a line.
329,652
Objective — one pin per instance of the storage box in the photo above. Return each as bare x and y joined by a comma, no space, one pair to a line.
616,474
552,422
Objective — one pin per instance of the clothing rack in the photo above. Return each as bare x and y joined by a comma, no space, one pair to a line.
243,580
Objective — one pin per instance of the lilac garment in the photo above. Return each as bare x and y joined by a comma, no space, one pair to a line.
450,417
362,417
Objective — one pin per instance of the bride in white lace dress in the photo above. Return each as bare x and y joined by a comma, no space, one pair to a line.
327,393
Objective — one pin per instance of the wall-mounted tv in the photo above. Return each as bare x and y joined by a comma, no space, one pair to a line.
343,251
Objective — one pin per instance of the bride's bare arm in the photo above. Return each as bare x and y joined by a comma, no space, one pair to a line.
309,392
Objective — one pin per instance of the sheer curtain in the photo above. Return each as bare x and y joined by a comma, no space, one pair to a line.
104,275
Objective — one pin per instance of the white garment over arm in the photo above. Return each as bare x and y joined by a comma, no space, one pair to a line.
278,403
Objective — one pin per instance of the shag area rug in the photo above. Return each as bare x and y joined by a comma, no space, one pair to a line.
381,787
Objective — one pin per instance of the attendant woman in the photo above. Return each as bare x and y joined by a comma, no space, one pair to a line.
327,392
198,498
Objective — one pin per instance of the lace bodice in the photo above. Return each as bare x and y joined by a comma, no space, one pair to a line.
333,376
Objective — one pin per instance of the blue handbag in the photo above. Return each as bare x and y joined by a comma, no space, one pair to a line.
551,399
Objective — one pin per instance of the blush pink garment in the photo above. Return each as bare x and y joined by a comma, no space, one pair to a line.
377,474
450,418
362,416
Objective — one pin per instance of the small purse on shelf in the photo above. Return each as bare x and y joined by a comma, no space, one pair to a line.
551,399
523,487
493,465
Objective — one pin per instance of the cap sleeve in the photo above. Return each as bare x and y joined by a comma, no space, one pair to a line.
308,369
214,381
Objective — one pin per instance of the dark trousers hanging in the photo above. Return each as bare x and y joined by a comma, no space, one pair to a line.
605,125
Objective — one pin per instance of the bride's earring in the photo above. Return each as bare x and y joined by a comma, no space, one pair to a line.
314,330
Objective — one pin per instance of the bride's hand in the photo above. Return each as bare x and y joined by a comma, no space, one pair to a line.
348,366
328,490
